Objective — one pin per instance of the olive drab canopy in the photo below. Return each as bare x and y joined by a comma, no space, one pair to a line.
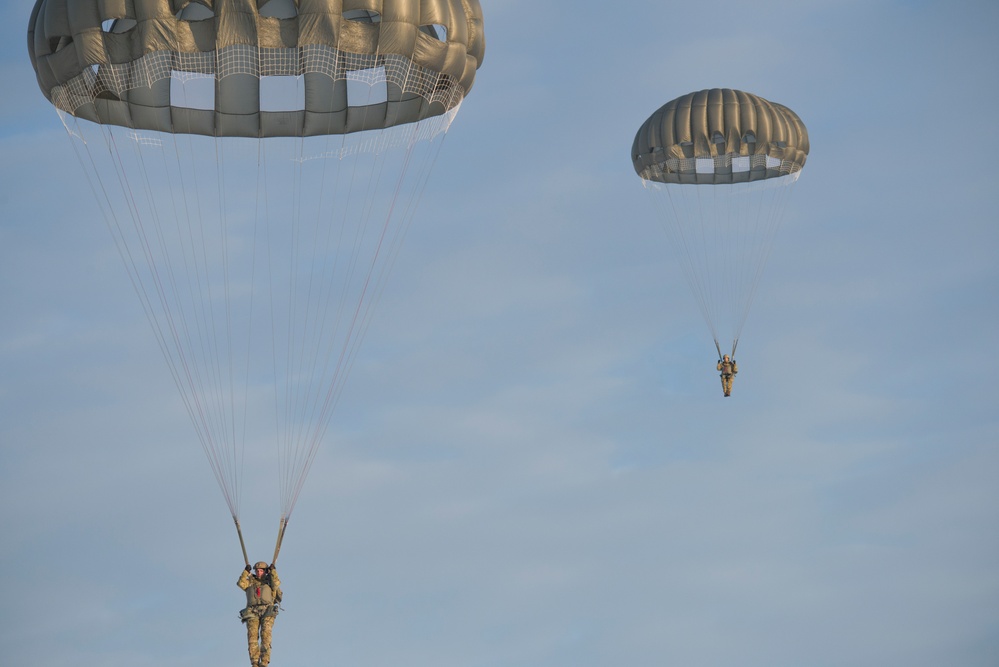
720,164
258,163
745,137
121,61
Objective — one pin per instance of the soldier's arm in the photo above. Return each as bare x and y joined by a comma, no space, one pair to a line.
244,580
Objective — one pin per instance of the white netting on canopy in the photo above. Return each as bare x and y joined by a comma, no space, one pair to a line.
114,81
753,167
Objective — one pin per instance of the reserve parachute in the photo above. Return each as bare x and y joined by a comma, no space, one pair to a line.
257,163
721,164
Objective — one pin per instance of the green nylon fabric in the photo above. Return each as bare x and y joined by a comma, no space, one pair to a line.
114,79
720,124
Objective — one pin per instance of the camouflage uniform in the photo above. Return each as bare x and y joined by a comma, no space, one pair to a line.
262,598
728,369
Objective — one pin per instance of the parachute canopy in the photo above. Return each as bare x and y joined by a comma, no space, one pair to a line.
720,164
135,63
719,136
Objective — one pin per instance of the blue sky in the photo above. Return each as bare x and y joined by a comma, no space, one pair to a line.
532,463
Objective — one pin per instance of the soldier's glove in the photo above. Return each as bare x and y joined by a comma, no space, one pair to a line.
248,567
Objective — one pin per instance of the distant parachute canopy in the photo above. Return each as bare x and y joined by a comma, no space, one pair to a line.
721,164
719,136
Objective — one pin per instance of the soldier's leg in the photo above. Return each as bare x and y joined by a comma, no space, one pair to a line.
253,640
266,627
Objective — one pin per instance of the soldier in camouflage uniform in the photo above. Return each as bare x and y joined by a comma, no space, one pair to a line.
728,369
263,597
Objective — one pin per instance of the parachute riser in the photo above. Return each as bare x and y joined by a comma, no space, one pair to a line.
280,539
735,344
242,544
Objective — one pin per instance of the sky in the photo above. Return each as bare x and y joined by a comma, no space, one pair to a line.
532,464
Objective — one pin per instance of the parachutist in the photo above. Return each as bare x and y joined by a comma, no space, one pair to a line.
729,369
263,599
741,153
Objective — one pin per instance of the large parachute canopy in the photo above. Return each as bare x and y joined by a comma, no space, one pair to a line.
720,163
128,62
257,163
